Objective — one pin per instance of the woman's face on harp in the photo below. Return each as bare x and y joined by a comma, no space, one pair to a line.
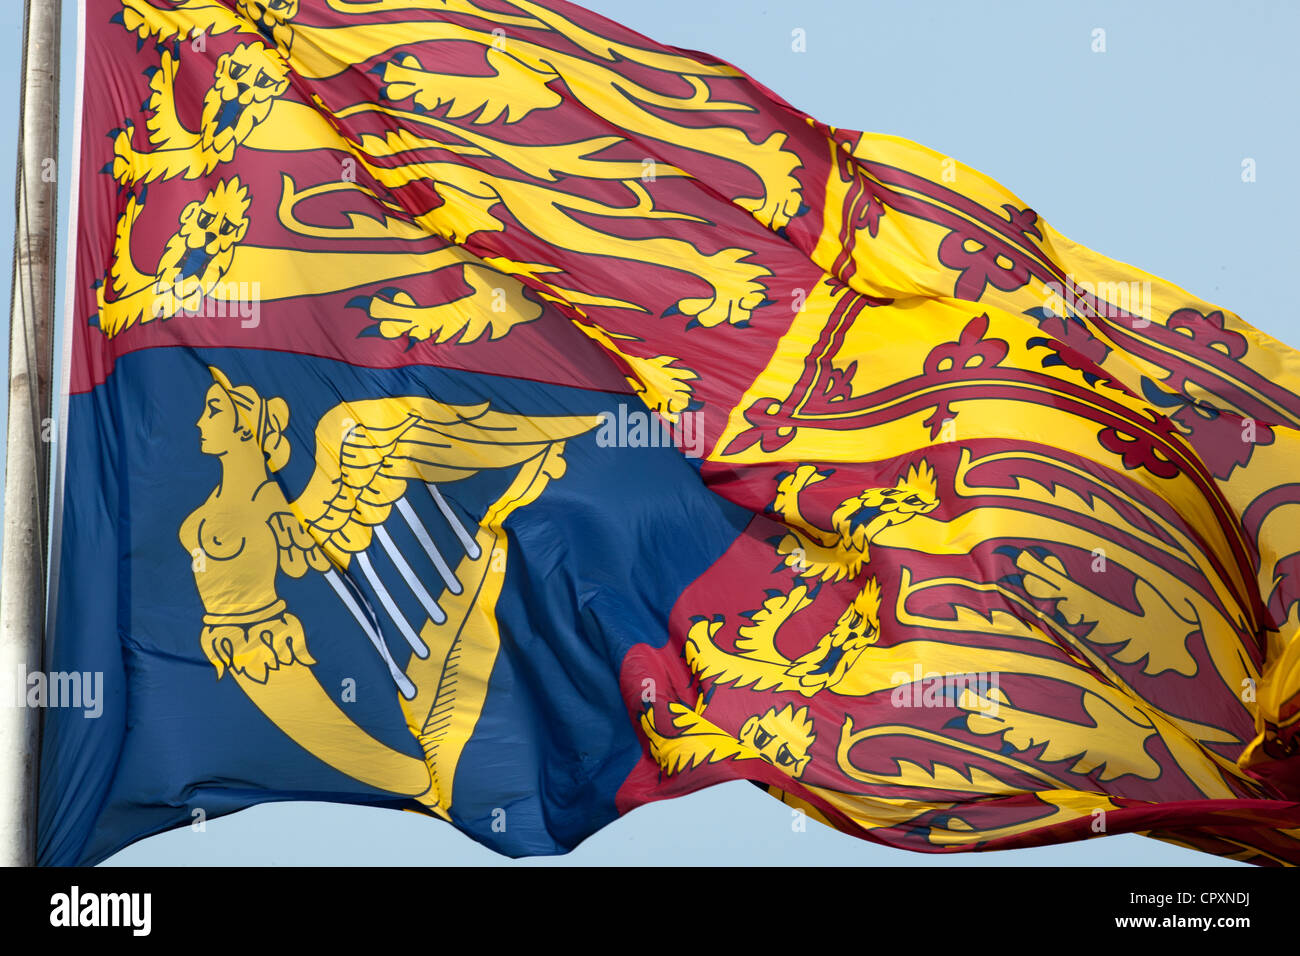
220,430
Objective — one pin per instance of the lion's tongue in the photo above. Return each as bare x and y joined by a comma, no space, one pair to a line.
194,262
228,115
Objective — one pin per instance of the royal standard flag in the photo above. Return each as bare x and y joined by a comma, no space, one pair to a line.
479,409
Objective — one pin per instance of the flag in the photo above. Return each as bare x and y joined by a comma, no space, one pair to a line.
477,408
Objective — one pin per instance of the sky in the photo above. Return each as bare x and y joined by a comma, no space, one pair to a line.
1136,151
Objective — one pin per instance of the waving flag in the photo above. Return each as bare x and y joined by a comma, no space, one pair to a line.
479,409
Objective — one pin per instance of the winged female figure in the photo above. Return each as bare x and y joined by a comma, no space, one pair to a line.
367,452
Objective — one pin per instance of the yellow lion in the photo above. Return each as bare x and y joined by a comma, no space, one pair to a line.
782,738
193,261
273,19
758,663
207,259
245,86
841,552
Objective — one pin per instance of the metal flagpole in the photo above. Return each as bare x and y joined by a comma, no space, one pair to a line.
27,449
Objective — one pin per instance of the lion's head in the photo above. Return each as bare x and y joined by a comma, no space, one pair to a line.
248,81
781,737
839,649
860,519
199,254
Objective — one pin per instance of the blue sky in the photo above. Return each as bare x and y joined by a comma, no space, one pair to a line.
1136,152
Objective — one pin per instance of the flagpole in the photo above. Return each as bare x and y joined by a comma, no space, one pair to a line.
27,449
